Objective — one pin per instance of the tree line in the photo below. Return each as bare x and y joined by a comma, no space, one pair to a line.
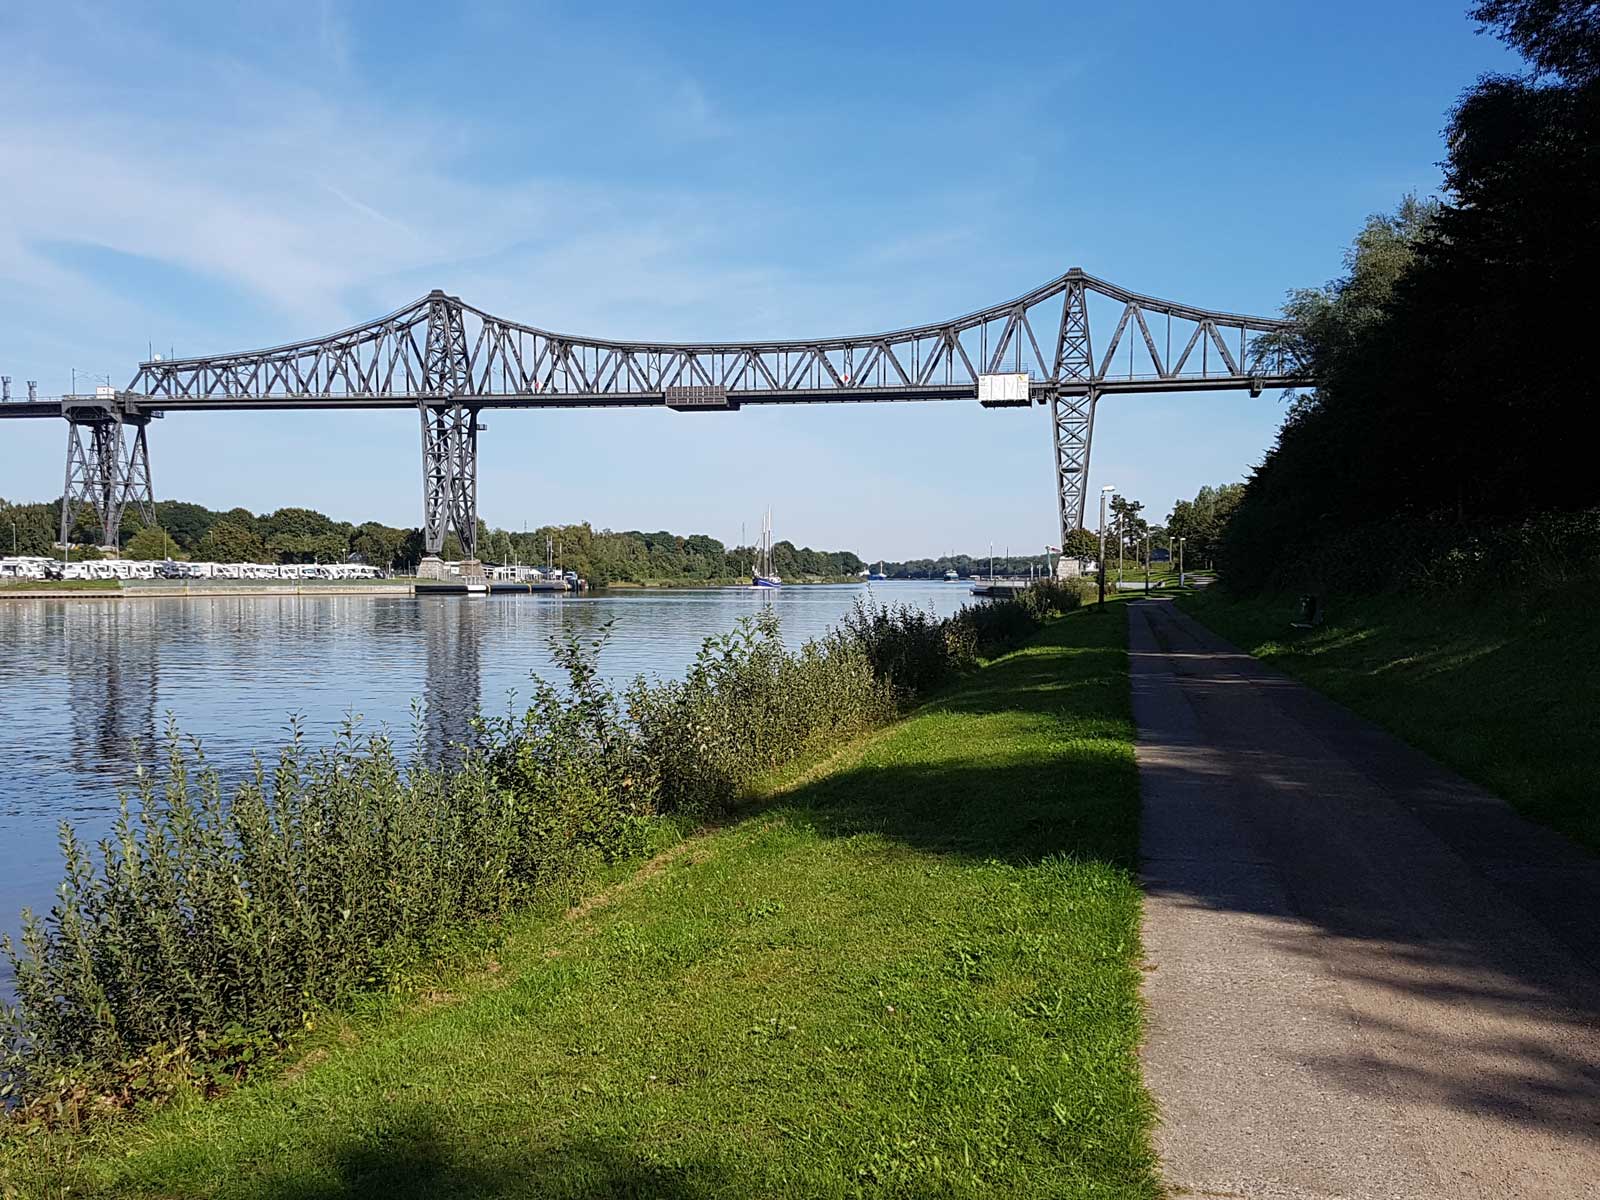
1450,358
294,535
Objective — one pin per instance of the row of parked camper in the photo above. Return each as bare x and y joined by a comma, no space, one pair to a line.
126,568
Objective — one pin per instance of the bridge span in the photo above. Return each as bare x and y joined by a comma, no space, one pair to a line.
1067,343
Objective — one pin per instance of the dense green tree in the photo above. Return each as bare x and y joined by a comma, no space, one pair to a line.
411,551
1081,543
1125,522
1558,37
229,542
1449,358
294,522
380,545
496,548
151,544
1202,521
186,523
28,529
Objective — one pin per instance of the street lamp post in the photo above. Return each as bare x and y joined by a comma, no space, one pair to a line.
1181,541
1147,562
1104,492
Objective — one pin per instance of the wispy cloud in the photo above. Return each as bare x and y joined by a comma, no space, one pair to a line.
320,202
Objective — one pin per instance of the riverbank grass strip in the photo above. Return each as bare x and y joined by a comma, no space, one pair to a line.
910,971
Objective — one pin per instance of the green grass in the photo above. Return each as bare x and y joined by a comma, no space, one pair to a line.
1504,690
908,970
61,585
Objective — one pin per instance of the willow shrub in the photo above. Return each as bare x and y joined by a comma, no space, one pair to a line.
206,923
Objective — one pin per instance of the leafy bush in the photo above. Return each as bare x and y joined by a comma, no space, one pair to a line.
908,648
207,928
989,628
746,706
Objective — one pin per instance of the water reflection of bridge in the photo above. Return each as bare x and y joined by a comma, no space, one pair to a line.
452,638
103,674
111,655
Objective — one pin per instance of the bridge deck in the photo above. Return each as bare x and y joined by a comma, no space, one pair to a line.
531,400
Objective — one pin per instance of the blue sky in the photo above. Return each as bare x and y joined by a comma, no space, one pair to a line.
215,177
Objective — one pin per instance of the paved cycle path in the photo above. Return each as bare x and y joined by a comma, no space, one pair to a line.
1365,976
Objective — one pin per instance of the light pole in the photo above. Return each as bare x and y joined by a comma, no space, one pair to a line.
1104,492
1181,541
1147,562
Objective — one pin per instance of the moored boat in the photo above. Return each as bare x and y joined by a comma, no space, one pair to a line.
761,573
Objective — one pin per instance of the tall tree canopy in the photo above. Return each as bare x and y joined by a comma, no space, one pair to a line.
1451,358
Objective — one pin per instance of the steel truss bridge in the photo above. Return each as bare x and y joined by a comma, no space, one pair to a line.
1067,344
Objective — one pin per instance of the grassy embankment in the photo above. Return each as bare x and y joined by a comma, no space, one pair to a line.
61,585
909,969
1504,690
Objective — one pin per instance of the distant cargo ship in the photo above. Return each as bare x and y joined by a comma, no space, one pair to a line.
876,575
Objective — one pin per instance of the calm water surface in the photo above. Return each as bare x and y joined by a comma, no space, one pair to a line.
82,680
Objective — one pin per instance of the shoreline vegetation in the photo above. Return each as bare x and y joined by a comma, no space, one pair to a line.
604,557
187,531
206,937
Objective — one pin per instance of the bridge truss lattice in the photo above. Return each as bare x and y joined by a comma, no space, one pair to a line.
1066,344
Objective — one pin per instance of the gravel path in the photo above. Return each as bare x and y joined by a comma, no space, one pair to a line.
1366,977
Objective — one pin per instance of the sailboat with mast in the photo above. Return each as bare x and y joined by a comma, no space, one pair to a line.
761,573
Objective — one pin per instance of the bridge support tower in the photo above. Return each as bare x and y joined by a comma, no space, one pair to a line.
449,434
108,465
449,476
1072,409
1072,419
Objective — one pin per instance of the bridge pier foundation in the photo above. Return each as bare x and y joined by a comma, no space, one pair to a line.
106,469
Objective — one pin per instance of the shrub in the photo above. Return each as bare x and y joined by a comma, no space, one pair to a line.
907,647
746,706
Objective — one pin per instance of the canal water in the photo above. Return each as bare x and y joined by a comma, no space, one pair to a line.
82,680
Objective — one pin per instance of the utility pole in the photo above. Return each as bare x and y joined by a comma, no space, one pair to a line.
1147,562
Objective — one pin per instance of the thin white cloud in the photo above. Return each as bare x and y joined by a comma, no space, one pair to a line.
369,211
